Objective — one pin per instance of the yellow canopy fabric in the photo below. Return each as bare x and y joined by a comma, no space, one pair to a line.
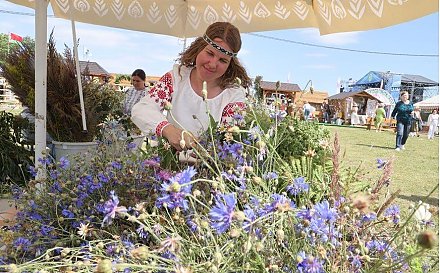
190,18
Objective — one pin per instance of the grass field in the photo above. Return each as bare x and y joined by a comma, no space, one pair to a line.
416,169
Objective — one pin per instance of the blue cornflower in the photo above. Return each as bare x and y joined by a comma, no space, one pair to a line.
22,243
394,213
191,224
131,146
56,188
380,163
309,264
368,217
64,163
324,232
17,192
375,245
299,186
111,208
236,150
232,177
116,165
278,115
279,203
324,211
102,177
186,175
112,250
255,133
44,161
175,190
67,213
152,162
270,176
356,262
223,211
45,230
54,174
142,231
32,171
250,217
237,117
34,216
304,214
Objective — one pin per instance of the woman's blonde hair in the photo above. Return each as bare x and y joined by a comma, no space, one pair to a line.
231,36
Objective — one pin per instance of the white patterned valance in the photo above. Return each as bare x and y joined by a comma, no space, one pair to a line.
189,18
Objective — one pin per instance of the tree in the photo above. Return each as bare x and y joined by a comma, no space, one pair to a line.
7,47
258,90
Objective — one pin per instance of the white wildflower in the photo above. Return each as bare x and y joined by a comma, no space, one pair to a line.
83,229
422,213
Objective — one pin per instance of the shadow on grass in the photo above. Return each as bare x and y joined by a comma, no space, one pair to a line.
374,146
416,198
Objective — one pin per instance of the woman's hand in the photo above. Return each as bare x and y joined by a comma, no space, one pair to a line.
179,139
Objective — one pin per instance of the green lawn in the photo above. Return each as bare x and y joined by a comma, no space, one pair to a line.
416,169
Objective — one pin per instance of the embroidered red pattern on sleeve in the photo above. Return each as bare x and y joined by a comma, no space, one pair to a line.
230,110
162,90
161,93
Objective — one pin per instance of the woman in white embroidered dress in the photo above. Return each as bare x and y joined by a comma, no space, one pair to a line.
433,120
211,59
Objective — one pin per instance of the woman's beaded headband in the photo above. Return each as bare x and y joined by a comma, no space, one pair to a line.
219,48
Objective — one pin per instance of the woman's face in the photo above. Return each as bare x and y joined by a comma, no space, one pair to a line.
404,96
211,64
137,82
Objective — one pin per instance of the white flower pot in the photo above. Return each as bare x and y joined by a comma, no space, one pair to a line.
69,148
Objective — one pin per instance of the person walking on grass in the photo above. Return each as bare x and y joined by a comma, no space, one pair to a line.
379,118
403,114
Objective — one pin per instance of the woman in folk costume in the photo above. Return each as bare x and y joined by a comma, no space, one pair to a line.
204,80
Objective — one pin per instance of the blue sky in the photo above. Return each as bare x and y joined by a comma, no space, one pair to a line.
122,51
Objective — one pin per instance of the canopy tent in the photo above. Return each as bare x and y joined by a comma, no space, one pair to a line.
343,102
381,95
361,93
189,18
429,104
417,86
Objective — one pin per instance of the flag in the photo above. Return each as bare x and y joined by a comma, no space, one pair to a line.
15,37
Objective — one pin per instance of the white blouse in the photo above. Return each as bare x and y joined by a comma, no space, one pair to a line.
189,111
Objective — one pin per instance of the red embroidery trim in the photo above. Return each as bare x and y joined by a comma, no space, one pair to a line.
231,108
162,90
160,126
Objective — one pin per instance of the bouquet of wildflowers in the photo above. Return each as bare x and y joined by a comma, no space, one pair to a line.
247,204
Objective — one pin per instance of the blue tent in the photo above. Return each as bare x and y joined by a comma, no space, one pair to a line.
418,86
